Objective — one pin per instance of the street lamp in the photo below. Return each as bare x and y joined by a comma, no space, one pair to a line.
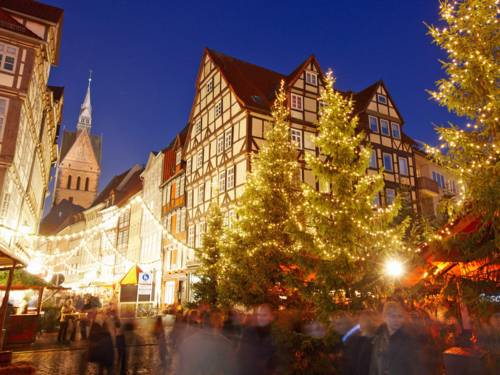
394,268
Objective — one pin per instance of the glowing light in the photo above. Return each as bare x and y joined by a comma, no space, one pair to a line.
394,268
34,266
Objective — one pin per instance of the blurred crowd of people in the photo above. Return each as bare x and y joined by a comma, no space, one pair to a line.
208,341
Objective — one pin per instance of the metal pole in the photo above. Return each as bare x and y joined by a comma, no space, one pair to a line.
5,302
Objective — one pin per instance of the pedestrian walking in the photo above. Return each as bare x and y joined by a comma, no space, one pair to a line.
101,350
159,334
395,350
67,310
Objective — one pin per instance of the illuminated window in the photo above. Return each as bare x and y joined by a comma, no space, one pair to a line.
403,166
388,162
384,127
199,163
201,193
396,132
439,178
373,124
191,236
312,78
296,136
297,102
197,127
178,157
376,200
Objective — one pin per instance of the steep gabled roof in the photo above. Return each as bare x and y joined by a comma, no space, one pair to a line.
69,138
58,215
122,186
9,23
362,98
34,9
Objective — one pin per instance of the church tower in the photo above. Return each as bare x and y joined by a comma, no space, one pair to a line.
79,166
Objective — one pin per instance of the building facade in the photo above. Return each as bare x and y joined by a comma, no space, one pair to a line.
79,166
30,115
434,183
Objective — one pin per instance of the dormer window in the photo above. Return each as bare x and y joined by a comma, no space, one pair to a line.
210,86
312,78
218,109
8,56
178,157
297,102
382,99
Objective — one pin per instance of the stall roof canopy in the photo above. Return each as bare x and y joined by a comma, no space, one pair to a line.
7,260
23,280
132,276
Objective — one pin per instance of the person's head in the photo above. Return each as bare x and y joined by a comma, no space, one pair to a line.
264,315
394,316
341,322
69,302
495,321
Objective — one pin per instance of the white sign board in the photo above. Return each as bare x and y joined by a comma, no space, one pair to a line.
145,283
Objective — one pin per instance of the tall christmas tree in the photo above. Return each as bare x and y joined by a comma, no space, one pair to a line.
209,255
470,37
260,252
352,236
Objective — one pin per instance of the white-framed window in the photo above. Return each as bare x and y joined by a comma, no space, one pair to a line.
388,162
229,218
188,166
228,139
199,162
191,236
376,200
197,127
312,78
396,131
183,219
220,144
178,157
403,166
390,196
384,127
439,178
178,222
296,136
230,178
222,181
201,193
181,186
8,55
373,159
297,102
373,123
382,99
218,109
210,85
200,229
5,205
4,103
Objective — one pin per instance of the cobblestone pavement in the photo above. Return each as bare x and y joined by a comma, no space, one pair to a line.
73,361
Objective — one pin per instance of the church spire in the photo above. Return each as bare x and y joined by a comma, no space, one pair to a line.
85,118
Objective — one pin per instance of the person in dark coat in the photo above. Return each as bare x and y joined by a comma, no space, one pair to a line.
258,352
101,350
395,350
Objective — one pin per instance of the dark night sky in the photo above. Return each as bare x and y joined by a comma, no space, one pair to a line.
145,55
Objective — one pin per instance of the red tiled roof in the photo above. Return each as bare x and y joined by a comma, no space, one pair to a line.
9,23
34,9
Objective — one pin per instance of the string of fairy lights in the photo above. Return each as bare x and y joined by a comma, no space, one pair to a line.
51,261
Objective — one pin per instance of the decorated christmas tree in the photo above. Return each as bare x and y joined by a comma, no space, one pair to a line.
259,259
353,236
469,36
205,290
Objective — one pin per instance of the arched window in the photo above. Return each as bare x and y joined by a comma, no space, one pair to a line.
78,180
87,184
68,185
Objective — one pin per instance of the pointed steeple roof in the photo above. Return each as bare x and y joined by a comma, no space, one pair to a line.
85,118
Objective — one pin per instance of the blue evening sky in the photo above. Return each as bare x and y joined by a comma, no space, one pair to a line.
145,56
